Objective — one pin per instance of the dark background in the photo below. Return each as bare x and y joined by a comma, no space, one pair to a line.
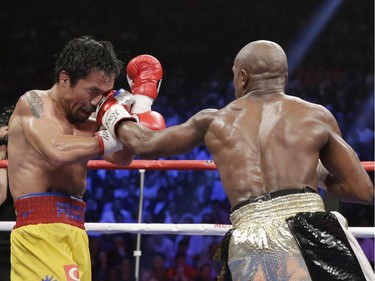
196,42
200,37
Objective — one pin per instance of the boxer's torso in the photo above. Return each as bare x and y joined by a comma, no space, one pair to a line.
30,171
265,143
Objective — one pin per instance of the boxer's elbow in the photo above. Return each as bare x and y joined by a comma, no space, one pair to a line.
364,189
122,157
359,192
363,194
367,194
125,161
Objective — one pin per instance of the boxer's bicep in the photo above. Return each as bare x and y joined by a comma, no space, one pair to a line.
42,134
47,138
38,126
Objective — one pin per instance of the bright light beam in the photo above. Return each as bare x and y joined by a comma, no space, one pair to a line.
309,33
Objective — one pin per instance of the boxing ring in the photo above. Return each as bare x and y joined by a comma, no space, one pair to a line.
168,228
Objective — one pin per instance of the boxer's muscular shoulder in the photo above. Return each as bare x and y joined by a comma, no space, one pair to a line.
34,102
208,112
205,116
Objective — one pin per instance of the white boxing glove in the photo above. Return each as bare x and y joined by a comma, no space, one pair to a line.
113,108
107,143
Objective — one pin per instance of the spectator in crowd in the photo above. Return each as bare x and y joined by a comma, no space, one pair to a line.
7,212
205,273
114,212
120,249
126,270
102,267
181,271
159,268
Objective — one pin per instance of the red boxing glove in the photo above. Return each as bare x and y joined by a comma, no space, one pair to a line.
144,74
152,120
113,108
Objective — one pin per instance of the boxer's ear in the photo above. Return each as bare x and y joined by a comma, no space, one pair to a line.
244,78
64,79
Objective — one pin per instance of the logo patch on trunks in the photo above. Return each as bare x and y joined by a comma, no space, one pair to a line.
71,272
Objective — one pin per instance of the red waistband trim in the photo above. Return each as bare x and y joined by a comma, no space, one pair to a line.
50,207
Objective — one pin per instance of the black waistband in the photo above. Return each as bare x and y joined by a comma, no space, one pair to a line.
271,195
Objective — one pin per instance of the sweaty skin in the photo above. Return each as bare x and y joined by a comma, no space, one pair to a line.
264,140
51,137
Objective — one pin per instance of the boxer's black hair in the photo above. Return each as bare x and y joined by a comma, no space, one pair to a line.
85,54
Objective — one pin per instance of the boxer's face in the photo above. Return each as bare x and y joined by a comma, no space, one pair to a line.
86,94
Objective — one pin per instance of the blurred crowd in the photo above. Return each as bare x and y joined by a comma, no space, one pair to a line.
197,56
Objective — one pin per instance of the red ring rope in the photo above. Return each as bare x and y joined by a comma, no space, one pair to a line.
167,165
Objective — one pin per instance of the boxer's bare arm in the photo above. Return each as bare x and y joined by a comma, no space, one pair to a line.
174,140
51,138
348,181
122,157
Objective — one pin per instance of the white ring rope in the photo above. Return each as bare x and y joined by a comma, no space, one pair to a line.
177,229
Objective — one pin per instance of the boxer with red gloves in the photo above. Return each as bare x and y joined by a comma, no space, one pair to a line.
144,75
266,146
114,108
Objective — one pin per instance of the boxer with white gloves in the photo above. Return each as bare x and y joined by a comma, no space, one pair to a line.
114,108
107,143
51,140
144,74
122,101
